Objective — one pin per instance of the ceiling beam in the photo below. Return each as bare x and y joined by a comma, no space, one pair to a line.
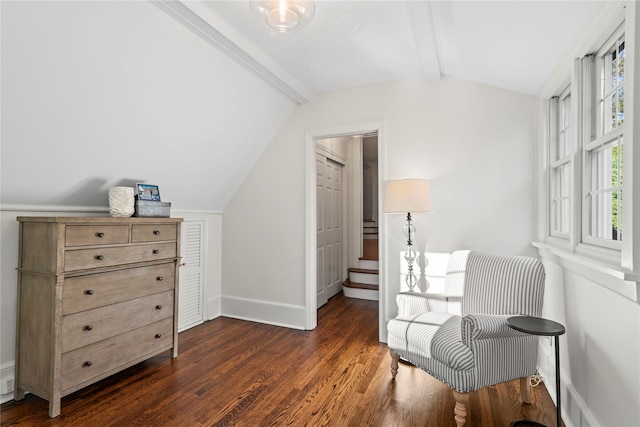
201,21
424,34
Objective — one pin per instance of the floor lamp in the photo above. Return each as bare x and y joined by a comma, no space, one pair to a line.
407,196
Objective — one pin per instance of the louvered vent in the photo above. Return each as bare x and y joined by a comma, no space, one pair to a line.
192,249
190,311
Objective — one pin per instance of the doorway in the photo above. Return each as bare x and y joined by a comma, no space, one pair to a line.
312,212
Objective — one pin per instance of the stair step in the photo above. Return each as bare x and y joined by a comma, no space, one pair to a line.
364,276
359,290
355,285
363,270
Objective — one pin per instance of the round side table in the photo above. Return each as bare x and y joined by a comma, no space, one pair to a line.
545,327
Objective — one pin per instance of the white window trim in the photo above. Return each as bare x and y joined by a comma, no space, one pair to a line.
617,270
554,161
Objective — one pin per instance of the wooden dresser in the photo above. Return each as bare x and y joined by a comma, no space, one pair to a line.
95,296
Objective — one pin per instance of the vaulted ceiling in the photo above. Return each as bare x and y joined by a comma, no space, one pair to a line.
509,44
190,93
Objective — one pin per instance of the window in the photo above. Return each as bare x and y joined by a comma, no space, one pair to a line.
585,192
560,162
603,153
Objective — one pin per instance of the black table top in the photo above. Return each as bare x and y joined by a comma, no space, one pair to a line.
536,325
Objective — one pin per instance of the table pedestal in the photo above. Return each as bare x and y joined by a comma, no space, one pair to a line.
545,327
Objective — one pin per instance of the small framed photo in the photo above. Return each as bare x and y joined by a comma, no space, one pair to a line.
148,192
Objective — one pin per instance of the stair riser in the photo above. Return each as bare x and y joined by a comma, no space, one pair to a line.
361,294
368,264
368,279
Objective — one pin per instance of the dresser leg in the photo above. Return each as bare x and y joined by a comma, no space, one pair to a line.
18,393
54,407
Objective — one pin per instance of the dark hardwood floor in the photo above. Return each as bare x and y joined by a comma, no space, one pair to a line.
237,373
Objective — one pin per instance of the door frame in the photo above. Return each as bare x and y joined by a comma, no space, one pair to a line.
311,312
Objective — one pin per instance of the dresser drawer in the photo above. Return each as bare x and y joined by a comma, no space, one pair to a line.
104,357
82,293
82,259
86,235
153,232
87,327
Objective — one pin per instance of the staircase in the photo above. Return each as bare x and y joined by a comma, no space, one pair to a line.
362,281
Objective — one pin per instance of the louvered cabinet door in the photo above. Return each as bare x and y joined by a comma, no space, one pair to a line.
191,290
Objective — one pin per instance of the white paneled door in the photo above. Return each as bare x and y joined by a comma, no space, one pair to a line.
191,291
329,227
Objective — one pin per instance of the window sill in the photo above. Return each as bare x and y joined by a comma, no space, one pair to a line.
609,275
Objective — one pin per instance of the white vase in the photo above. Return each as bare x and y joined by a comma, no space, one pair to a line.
121,201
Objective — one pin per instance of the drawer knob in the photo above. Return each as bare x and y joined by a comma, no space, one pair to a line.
87,363
88,327
156,232
158,307
99,235
89,292
99,257
158,336
159,278
156,251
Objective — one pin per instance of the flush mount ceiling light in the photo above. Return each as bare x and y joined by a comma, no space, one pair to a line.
284,16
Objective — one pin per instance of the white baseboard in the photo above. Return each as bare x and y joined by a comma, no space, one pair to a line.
7,372
289,316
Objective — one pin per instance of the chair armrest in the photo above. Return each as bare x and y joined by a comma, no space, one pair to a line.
414,302
483,326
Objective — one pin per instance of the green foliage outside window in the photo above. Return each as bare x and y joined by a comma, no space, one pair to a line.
616,182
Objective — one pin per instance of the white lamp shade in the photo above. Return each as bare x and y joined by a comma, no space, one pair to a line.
408,195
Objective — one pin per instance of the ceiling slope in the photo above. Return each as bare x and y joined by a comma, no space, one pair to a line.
508,44
96,94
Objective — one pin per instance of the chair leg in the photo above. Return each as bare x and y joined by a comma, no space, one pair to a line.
395,357
525,390
460,410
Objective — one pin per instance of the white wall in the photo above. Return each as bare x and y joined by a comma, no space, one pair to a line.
101,93
473,141
600,352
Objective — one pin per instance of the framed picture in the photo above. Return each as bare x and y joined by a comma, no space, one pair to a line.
148,192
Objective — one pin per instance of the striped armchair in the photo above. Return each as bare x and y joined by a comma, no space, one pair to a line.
461,337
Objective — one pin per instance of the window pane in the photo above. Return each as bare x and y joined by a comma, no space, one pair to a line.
620,163
560,199
612,89
621,54
616,222
565,218
606,191
620,107
564,138
596,161
612,69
